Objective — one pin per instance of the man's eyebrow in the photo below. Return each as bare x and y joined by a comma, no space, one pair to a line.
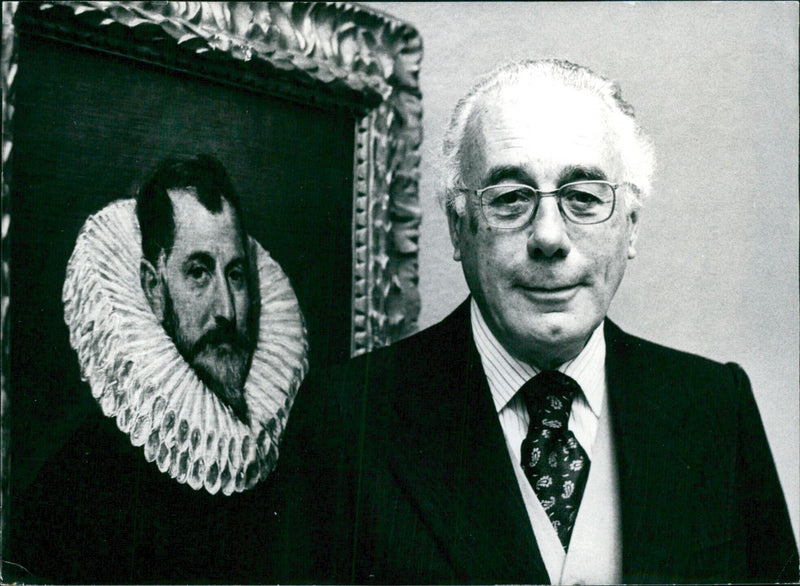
238,262
201,257
509,173
579,173
567,175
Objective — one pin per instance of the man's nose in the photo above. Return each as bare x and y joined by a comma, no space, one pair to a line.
224,307
548,231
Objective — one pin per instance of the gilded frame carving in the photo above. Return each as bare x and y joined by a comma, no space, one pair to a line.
334,53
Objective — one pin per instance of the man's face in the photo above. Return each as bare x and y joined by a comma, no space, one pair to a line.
545,287
206,297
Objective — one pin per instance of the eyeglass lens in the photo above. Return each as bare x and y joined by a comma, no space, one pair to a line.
510,206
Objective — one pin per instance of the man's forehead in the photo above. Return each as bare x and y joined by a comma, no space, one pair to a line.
542,125
187,206
196,225
544,105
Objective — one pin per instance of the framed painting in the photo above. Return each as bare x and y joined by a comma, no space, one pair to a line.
314,109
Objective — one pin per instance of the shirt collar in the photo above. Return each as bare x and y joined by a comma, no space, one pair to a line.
505,374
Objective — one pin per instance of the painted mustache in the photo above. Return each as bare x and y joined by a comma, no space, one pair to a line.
222,333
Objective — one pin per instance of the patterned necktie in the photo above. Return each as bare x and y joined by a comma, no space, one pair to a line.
554,462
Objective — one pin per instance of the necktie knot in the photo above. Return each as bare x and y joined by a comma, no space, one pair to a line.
548,397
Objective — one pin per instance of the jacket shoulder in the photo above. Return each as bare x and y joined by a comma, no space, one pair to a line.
647,356
645,377
439,347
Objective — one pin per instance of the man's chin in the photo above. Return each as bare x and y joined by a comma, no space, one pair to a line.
548,339
225,373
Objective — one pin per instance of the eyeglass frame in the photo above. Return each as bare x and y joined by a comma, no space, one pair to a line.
551,193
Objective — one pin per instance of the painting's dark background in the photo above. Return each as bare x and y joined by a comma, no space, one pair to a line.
88,128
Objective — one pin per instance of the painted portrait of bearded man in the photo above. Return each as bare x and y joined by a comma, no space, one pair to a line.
193,344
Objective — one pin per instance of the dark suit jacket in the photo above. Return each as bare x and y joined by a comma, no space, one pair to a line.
398,471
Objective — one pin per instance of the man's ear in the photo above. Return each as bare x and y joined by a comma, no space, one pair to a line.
633,219
153,288
455,222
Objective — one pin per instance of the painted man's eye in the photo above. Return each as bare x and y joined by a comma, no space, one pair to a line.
237,277
198,274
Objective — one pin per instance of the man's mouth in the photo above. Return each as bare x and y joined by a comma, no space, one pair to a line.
219,339
554,293
553,288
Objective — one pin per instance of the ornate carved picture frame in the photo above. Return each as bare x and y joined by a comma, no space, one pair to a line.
324,56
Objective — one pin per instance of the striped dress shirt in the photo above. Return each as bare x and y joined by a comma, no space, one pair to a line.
506,375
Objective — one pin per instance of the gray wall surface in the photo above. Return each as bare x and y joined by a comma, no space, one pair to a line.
716,87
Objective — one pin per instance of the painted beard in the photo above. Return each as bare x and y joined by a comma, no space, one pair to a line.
222,368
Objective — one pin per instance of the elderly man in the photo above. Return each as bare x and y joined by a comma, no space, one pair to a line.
193,345
525,438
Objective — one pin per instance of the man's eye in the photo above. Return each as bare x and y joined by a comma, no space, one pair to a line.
510,198
237,276
579,197
198,274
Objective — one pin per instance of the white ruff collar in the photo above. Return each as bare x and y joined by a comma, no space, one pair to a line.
138,377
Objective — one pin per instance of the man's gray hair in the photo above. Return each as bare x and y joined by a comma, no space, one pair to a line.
635,148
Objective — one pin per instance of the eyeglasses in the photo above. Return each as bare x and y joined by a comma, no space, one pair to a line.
509,205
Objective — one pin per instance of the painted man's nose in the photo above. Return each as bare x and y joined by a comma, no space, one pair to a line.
224,307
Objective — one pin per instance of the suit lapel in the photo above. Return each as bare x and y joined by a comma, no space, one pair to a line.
651,465
454,465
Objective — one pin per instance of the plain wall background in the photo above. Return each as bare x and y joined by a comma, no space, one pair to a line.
715,85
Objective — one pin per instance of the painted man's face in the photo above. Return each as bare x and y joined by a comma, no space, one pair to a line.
204,296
